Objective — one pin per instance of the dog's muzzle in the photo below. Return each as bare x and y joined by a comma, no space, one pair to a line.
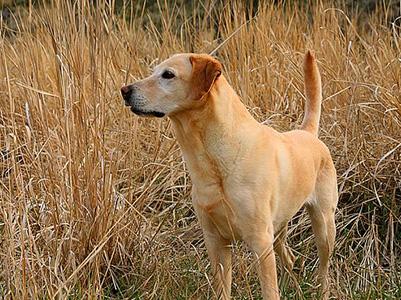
128,94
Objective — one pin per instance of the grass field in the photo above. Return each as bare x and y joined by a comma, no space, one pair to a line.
95,202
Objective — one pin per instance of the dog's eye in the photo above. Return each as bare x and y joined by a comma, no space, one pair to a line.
168,75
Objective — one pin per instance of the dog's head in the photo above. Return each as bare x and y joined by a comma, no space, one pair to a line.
177,84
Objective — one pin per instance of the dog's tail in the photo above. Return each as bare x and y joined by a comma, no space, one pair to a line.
313,90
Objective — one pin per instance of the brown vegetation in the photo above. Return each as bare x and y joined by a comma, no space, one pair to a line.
95,202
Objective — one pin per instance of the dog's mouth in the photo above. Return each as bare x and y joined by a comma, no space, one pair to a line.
151,113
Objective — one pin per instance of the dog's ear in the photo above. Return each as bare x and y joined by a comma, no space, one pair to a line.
205,71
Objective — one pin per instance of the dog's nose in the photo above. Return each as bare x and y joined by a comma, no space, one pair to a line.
126,92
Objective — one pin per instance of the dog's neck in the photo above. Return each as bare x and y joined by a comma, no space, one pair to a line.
221,105
210,134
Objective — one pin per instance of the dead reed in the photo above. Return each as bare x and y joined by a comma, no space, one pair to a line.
95,202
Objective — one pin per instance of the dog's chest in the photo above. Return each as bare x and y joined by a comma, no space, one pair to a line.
211,163
215,210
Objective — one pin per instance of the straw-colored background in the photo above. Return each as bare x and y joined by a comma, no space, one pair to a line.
95,202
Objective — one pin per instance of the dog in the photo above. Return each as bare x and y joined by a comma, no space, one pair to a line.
248,179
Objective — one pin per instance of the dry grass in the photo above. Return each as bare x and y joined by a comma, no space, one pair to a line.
95,202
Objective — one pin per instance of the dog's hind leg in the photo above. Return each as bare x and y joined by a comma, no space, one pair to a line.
321,211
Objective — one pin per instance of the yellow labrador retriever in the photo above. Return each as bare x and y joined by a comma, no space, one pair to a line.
248,179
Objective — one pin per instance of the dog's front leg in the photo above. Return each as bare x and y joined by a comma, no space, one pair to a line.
218,247
262,244
219,251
